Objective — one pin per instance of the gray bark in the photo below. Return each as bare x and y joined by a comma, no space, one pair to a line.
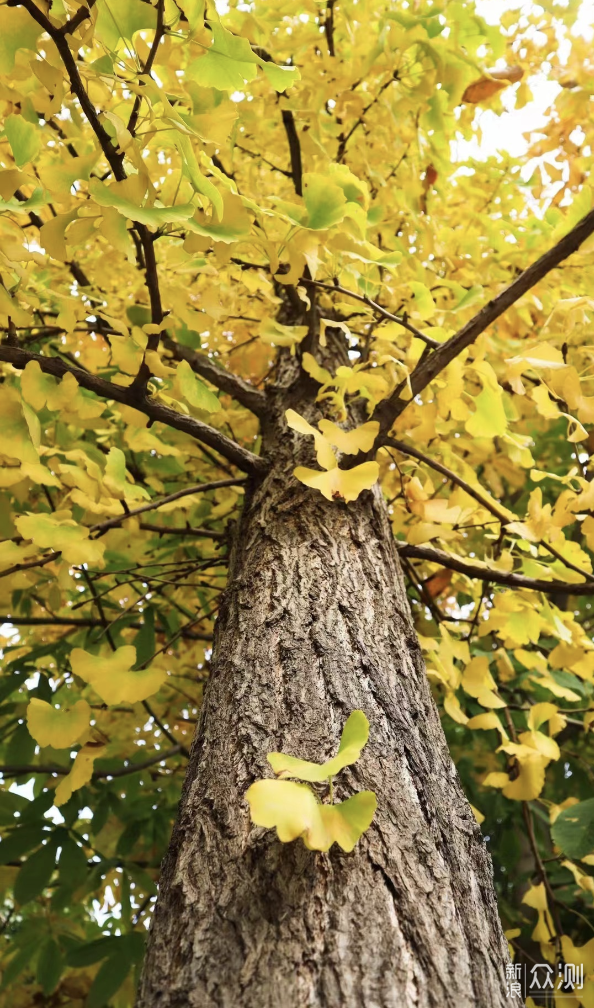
315,624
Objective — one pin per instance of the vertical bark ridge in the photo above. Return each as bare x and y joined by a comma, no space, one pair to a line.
315,623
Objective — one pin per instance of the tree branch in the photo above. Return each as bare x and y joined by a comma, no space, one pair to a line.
400,319
137,399
9,770
40,562
162,728
148,66
430,366
344,138
153,505
115,161
58,620
174,530
243,391
113,158
294,150
81,15
329,27
490,573
500,512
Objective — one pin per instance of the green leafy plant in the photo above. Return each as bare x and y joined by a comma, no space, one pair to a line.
294,808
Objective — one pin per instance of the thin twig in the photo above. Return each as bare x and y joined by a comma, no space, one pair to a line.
153,505
400,319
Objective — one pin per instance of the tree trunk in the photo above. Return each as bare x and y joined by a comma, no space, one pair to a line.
315,623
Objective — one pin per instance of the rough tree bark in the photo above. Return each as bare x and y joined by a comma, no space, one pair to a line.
315,623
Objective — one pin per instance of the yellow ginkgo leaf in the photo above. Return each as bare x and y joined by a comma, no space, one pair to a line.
80,772
478,682
452,707
529,772
353,441
354,736
276,334
489,419
295,811
541,743
298,423
540,713
324,452
50,726
536,897
340,484
496,779
113,677
57,531
487,722
315,370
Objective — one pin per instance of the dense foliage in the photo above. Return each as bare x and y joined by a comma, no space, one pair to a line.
176,189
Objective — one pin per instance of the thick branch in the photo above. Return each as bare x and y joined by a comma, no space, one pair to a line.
493,575
329,27
294,150
430,365
241,390
137,399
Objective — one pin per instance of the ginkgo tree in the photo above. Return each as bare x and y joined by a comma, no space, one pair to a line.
296,505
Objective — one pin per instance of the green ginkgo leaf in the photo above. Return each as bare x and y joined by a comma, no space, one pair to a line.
113,676
194,391
109,196
24,139
19,31
121,19
324,200
354,736
54,727
295,812
230,62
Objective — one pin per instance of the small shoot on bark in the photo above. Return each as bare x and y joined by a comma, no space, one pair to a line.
295,810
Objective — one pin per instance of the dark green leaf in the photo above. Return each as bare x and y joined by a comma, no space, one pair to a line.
36,808
109,979
16,966
73,864
21,748
9,804
145,638
92,952
573,830
570,681
49,966
19,841
35,874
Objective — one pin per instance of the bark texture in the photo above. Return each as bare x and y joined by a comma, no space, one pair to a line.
315,623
